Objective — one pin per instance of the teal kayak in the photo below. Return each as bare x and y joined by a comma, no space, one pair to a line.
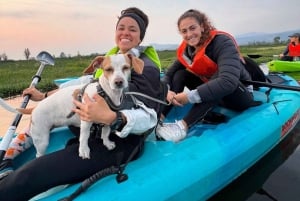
213,155
58,82
283,66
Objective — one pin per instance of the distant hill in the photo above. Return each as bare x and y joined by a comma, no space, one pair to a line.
243,39
162,47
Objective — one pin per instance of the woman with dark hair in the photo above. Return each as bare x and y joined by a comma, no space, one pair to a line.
210,65
292,50
65,166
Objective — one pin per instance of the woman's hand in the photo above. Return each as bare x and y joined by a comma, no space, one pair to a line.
35,94
180,99
177,99
96,110
170,96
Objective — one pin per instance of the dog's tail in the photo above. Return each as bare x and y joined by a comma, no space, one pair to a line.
8,107
25,110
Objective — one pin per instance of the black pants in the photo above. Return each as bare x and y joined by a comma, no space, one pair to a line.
65,167
239,100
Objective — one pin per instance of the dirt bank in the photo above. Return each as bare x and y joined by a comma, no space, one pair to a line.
6,118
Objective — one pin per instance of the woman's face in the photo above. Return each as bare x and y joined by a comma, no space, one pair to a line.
190,30
294,39
127,34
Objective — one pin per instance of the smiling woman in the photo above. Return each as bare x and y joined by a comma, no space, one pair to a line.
129,140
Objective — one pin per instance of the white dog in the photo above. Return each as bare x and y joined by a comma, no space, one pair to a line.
53,111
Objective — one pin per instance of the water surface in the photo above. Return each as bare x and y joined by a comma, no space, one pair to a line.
276,177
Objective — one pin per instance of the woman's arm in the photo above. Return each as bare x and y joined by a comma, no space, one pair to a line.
36,95
223,51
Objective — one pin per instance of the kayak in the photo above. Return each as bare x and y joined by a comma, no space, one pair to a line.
283,66
211,157
58,82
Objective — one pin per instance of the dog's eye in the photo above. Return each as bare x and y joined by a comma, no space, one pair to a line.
125,68
109,70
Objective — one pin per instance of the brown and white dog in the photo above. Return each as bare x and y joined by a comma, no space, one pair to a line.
53,111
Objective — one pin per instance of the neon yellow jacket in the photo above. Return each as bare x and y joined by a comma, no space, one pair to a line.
149,51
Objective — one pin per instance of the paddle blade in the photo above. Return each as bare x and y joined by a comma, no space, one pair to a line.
45,57
254,56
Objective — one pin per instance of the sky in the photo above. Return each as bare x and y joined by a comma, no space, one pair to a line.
87,26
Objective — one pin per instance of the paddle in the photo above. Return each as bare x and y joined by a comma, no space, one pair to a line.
255,56
275,57
45,58
277,86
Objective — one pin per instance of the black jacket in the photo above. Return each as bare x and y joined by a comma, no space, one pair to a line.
224,53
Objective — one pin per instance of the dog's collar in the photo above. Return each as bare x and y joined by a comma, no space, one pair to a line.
101,92
110,103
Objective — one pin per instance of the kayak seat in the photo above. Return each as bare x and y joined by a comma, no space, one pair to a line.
255,71
275,79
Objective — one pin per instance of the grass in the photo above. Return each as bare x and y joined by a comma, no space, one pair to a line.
17,75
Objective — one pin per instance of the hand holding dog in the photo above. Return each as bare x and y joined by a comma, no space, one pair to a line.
96,110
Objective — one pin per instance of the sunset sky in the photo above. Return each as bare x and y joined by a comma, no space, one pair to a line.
87,26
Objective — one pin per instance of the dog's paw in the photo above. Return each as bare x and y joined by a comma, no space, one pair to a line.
109,144
84,152
38,155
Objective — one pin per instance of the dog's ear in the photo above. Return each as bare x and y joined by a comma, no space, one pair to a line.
93,65
76,93
136,63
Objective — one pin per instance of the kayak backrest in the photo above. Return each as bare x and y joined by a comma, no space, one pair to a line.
254,70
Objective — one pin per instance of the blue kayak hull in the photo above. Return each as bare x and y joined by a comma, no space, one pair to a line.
199,166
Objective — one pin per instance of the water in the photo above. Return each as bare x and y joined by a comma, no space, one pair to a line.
276,177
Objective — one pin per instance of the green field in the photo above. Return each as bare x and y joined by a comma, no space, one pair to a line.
17,75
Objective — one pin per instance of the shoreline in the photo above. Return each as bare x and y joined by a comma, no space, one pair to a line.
6,117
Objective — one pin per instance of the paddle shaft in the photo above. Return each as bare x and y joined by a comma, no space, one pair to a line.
4,144
277,86
255,56
284,58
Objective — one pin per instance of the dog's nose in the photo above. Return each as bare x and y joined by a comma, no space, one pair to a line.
119,83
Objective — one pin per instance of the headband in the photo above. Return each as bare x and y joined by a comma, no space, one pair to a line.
139,20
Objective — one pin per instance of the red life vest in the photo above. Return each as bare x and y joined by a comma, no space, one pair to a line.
201,65
294,50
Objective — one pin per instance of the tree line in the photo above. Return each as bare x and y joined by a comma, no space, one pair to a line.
276,41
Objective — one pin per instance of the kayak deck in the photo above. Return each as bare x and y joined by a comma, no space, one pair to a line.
206,161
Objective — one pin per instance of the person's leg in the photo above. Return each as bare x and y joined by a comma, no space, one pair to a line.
19,144
63,167
197,113
182,78
178,131
240,99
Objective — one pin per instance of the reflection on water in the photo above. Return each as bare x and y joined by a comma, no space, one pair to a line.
276,177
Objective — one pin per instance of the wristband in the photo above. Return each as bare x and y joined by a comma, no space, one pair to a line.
117,123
